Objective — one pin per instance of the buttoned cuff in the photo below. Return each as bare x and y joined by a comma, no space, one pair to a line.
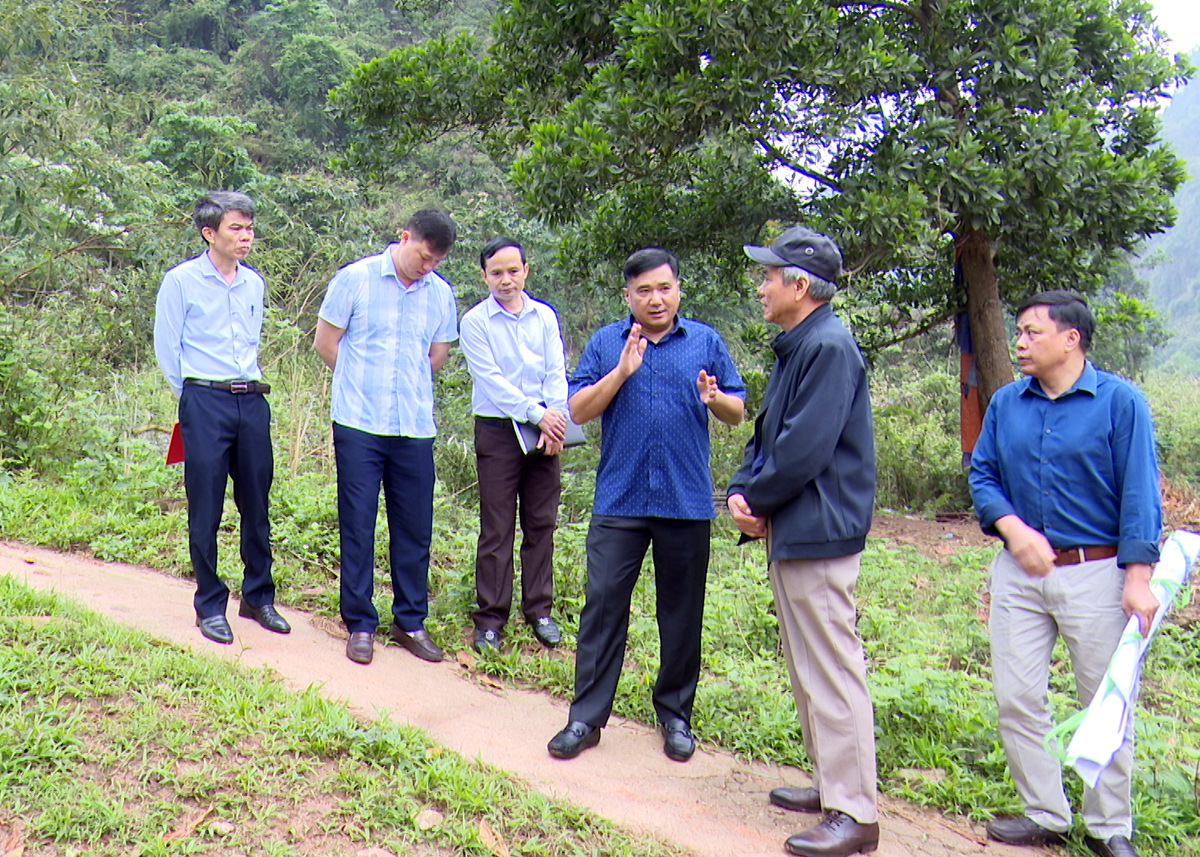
535,413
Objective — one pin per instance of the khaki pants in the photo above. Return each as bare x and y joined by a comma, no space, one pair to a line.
814,599
1082,603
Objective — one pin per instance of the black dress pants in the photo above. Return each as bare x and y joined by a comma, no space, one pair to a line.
506,475
616,547
227,435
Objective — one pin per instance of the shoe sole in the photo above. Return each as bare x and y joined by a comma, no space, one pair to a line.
862,849
587,743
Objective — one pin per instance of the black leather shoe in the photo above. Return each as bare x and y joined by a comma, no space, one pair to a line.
573,740
1023,831
267,616
678,742
546,632
418,643
360,648
1116,846
486,639
837,835
797,799
216,628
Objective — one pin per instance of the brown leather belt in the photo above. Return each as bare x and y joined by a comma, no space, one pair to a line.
1086,553
231,386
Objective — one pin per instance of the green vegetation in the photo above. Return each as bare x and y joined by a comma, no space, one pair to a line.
114,743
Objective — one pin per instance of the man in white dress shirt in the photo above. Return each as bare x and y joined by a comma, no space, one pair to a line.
514,350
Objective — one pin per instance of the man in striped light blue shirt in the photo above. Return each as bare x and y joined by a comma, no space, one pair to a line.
385,326
514,350
207,323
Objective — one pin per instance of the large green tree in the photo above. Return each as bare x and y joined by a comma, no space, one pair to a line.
1018,138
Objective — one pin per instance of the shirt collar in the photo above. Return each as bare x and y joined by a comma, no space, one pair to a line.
494,307
210,270
1085,383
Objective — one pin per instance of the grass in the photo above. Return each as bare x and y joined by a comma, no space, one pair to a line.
922,618
114,744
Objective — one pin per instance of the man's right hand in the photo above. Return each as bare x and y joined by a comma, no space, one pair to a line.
554,425
744,517
1029,548
631,354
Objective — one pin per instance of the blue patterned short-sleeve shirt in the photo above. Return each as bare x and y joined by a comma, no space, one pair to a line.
654,434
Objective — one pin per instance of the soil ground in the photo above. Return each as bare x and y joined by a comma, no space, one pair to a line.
713,805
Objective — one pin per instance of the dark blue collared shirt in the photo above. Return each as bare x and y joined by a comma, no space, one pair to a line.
654,433
1080,469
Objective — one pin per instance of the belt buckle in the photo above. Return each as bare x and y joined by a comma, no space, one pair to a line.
239,386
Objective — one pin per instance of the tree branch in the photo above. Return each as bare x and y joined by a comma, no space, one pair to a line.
777,154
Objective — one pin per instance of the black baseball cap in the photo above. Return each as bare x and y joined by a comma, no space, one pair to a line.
799,247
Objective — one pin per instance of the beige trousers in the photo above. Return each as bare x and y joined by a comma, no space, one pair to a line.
814,600
1082,603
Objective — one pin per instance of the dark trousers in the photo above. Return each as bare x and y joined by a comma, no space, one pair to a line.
227,435
615,550
404,466
505,475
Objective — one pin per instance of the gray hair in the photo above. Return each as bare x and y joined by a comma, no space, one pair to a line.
821,290
215,204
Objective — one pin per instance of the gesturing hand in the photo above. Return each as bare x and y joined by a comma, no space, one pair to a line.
708,387
631,354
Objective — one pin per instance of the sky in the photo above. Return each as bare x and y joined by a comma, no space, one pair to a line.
1181,21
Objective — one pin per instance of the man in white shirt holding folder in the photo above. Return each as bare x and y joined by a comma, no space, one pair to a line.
514,350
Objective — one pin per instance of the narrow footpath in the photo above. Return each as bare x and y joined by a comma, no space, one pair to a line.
713,805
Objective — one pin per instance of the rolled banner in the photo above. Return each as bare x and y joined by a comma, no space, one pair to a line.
1102,725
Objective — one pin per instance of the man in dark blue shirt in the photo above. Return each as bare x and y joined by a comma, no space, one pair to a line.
653,379
1065,473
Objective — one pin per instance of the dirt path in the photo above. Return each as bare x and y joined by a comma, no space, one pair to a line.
713,805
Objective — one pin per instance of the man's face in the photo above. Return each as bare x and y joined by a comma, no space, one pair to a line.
778,298
414,258
505,275
653,298
233,236
1041,346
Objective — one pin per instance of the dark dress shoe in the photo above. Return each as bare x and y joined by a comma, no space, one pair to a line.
418,643
267,616
547,632
837,835
1116,846
360,648
573,740
797,799
678,742
486,639
1023,831
216,628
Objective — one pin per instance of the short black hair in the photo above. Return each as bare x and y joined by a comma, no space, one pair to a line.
648,259
1067,310
434,227
211,208
494,246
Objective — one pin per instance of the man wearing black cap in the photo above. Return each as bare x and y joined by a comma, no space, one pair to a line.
807,484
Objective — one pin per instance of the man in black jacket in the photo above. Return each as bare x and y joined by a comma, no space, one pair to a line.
807,484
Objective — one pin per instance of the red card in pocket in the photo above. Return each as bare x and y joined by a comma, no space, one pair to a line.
175,445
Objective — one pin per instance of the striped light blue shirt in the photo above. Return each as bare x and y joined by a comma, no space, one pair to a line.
382,382
207,328
516,361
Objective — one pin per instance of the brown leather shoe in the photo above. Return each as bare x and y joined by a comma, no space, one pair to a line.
837,835
360,648
418,643
1023,831
797,799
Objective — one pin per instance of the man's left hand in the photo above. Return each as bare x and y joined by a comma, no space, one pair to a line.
1137,599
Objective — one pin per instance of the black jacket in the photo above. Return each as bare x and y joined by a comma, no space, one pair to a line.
810,467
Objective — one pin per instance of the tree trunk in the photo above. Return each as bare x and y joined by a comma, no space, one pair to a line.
989,339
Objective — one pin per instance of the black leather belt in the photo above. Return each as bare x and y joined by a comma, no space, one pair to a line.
231,386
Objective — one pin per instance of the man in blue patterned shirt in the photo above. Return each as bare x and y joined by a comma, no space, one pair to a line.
385,327
207,323
1065,473
653,379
